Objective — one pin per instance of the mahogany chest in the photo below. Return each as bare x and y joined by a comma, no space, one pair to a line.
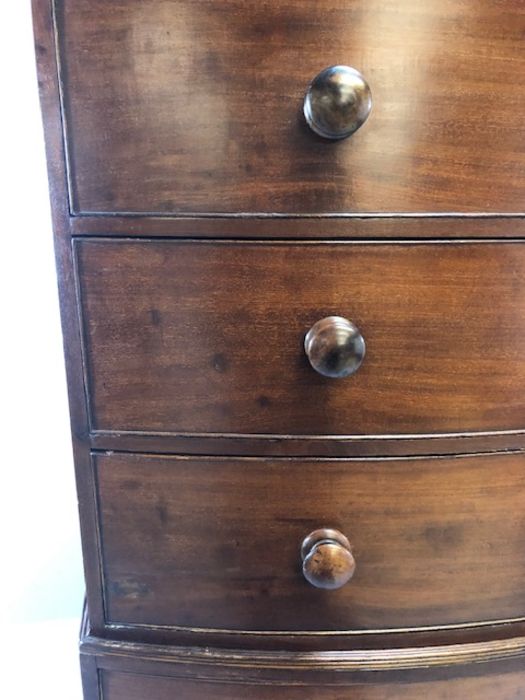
290,242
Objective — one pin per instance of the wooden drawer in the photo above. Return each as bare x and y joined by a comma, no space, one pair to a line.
207,338
195,106
213,543
493,686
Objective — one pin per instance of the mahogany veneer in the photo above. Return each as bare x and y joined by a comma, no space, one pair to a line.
195,106
214,543
251,527
214,343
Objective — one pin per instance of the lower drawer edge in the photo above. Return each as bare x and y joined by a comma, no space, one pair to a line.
409,658
115,670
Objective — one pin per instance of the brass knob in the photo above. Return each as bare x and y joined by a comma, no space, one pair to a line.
335,347
337,102
327,559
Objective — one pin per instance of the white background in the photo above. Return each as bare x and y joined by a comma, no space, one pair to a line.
41,584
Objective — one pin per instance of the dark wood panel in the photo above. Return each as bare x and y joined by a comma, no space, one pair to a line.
214,542
125,686
207,338
445,138
420,647
405,227
195,106
48,88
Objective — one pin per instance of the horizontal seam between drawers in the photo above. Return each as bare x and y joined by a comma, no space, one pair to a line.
303,458
284,436
296,215
78,238
117,626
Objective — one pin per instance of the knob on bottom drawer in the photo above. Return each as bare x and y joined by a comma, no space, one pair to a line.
327,559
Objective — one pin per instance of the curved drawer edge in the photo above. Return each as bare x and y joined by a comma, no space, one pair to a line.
399,659
308,445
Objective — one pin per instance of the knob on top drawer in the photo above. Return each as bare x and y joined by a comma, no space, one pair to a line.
337,102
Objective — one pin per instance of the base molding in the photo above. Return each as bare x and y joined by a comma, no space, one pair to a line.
109,665
331,661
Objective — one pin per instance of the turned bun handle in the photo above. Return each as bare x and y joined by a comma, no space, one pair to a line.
337,102
335,347
327,559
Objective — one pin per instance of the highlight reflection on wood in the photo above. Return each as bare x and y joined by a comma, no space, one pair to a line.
203,233
196,105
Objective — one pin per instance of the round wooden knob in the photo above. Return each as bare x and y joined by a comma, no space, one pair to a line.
337,102
327,559
335,347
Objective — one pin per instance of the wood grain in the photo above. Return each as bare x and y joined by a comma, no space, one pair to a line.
48,88
207,338
195,105
215,542
181,118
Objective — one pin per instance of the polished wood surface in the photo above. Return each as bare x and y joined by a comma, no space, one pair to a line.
180,119
208,338
126,686
48,86
215,542
196,106
494,666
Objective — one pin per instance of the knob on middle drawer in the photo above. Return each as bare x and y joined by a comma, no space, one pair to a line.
335,347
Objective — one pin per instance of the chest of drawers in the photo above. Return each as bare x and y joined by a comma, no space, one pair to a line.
293,303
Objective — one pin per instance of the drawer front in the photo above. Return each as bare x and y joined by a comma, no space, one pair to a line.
493,686
214,543
208,338
196,106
